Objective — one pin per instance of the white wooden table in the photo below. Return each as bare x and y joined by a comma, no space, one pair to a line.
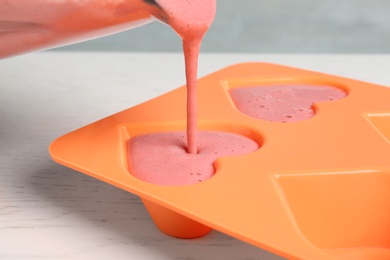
50,212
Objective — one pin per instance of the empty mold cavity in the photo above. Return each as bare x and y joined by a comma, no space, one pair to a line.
381,122
161,157
283,102
346,214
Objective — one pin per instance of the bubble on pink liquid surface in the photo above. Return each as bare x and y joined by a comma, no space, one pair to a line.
283,103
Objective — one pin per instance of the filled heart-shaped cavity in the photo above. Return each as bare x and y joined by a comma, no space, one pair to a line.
162,158
283,103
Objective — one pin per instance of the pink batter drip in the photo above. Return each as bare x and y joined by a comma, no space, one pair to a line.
161,158
283,103
191,20
191,52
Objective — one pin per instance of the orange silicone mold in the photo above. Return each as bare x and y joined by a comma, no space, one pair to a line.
316,189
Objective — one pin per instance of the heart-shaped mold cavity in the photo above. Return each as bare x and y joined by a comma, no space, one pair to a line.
347,214
161,158
283,103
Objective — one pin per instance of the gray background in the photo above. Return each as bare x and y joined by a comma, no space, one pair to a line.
272,26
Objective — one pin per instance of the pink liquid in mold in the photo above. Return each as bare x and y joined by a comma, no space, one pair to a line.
283,103
162,158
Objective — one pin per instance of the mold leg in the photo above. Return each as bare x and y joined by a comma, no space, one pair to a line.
174,224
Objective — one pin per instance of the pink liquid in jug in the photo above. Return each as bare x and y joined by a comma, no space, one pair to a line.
32,25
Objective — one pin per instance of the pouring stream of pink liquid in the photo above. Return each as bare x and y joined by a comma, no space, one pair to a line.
191,20
191,52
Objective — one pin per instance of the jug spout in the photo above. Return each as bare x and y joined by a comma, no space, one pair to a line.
190,18
152,2
159,12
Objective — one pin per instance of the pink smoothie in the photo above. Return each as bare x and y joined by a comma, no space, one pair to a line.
162,158
178,158
282,103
